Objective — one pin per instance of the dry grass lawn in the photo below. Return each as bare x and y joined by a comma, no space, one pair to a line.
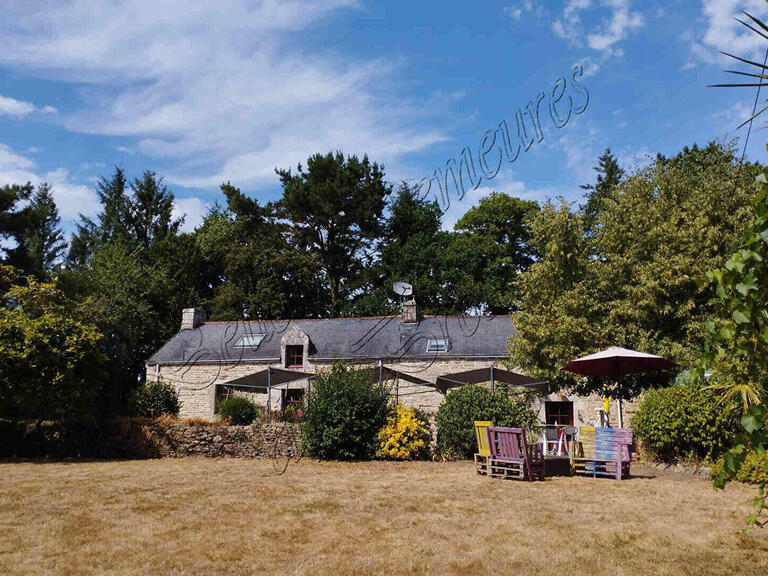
199,516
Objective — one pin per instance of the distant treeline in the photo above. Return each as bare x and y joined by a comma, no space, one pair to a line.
621,268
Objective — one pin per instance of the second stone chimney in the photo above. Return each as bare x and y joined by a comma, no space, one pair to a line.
409,315
191,318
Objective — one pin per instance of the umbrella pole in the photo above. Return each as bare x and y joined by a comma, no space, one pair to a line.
621,418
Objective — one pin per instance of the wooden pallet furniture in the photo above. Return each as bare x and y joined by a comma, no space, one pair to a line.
512,456
483,449
605,452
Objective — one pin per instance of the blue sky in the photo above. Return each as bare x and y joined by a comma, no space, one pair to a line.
230,90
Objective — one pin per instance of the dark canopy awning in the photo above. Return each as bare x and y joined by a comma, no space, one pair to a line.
269,377
386,373
490,374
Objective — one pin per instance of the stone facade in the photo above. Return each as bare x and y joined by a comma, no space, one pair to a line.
197,385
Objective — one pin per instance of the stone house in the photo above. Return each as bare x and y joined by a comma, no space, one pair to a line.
419,358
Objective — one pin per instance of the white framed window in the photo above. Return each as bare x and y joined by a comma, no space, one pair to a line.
249,341
437,345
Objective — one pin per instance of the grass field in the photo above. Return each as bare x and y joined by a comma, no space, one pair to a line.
198,516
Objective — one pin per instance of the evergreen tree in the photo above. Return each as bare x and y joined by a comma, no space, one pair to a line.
112,223
15,220
410,252
336,209
254,272
44,239
151,209
609,175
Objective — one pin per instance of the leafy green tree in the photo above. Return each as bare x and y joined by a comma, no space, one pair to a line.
336,210
127,298
491,248
737,347
636,283
50,358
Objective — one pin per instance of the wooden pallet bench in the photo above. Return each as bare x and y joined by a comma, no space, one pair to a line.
483,449
602,452
512,456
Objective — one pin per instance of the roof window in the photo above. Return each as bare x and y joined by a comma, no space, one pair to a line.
437,345
249,341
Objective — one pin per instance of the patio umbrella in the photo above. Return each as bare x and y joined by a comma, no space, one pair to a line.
614,362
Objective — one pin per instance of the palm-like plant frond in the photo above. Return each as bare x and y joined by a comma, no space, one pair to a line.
762,31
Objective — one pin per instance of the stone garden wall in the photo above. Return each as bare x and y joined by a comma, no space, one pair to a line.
163,439
143,438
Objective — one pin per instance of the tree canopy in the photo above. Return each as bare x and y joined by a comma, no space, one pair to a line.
637,283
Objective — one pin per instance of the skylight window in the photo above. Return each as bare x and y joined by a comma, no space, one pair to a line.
437,345
249,341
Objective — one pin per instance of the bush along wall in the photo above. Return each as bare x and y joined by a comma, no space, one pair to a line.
684,422
456,417
346,410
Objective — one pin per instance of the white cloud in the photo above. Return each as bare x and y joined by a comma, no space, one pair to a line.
605,37
12,107
513,12
71,198
193,209
722,32
581,152
622,21
589,65
729,119
526,6
223,90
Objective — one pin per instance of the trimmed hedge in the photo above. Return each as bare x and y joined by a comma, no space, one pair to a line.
456,417
346,409
238,411
155,399
684,422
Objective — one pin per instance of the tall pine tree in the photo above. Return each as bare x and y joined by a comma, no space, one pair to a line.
111,224
44,240
609,176
336,207
152,209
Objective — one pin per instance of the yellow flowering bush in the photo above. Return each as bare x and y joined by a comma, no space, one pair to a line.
405,436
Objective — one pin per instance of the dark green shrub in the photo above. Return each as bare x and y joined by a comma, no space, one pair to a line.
154,399
683,422
238,410
456,417
345,411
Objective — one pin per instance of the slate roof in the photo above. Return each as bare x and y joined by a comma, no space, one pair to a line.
343,338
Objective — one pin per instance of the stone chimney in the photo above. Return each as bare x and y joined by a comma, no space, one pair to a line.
409,315
191,318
